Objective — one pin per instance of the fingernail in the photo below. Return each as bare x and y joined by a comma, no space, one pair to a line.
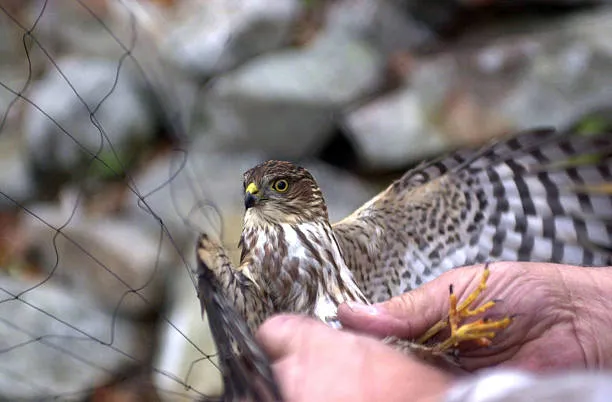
363,308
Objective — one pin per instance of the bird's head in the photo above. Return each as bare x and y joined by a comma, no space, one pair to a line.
278,192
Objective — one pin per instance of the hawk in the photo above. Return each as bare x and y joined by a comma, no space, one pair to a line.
538,196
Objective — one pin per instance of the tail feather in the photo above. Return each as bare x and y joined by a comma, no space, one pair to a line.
548,197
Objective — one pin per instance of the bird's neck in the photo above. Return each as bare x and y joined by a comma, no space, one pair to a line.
302,265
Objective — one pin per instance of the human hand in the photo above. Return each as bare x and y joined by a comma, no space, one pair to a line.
563,315
314,362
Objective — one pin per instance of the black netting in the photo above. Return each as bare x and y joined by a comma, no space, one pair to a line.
87,265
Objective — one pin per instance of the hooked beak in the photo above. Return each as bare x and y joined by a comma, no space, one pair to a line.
250,196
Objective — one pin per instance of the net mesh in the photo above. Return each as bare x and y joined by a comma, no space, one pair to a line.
86,261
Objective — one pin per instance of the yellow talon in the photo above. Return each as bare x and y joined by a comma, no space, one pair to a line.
479,310
481,331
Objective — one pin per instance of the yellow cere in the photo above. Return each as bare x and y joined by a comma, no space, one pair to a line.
252,188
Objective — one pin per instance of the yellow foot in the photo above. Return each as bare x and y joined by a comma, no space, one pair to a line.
481,331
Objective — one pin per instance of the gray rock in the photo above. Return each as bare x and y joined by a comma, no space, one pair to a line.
206,38
163,83
11,47
383,23
568,76
199,193
15,180
193,360
470,95
67,27
549,77
392,131
284,103
15,79
65,138
105,258
55,344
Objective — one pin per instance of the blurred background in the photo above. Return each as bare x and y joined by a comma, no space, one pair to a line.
126,125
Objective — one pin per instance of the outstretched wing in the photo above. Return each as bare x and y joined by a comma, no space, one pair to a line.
246,371
538,196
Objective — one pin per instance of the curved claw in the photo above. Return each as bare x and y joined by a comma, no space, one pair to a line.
481,331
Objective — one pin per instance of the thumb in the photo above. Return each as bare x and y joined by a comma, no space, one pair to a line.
280,335
411,314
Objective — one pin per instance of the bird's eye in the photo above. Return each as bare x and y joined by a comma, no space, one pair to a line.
281,186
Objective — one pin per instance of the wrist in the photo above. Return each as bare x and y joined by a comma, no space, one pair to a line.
590,292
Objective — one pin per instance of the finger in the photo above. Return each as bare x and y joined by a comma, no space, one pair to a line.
411,314
403,316
282,334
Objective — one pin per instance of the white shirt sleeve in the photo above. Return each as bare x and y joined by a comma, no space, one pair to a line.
517,386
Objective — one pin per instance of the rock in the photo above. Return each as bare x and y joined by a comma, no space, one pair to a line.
568,75
186,349
206,38
438,15
67,142
106,258
15,180
170,91
283,104
193,191
392,131
55,344
531,79
82,31
470,95
386,25
11,47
